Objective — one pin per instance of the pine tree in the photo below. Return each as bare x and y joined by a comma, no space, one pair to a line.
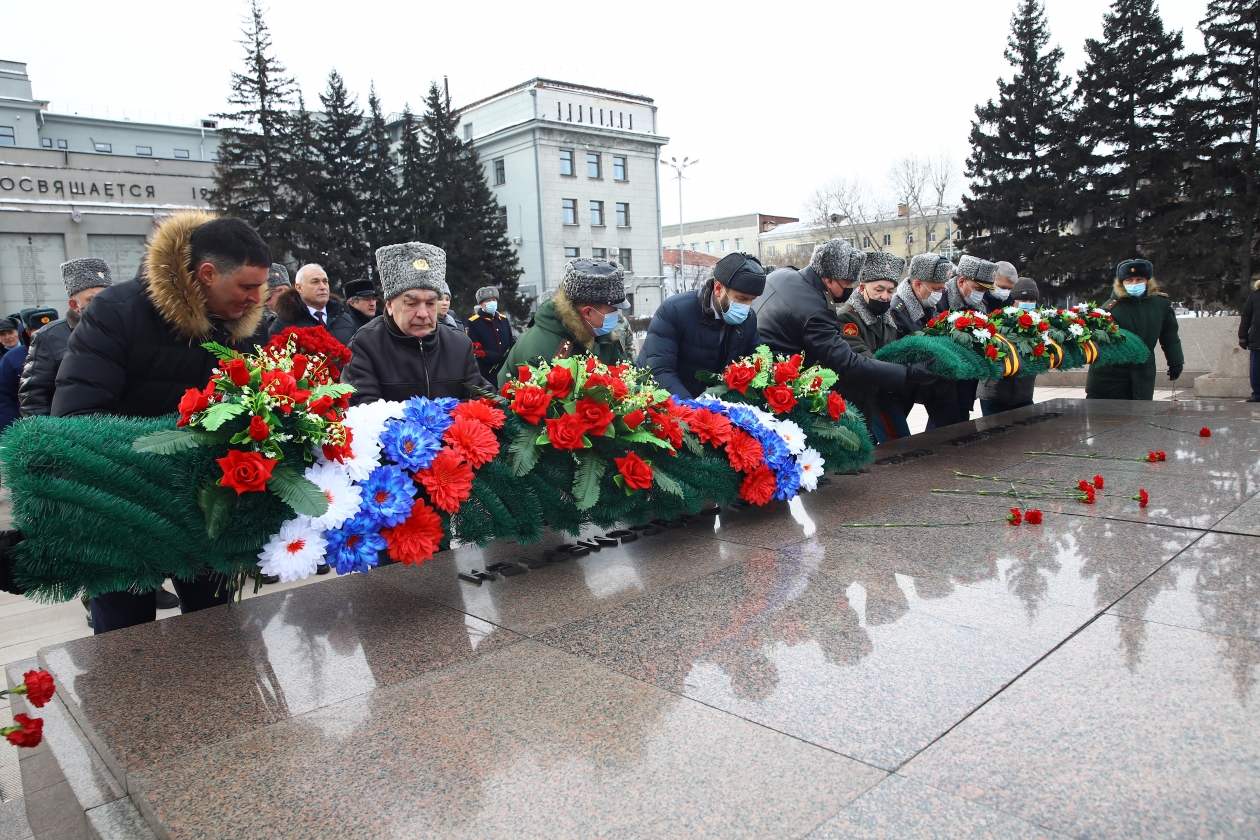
249,176
1128,93
379,181
410,222
303,175
339,136
1023,161
463,213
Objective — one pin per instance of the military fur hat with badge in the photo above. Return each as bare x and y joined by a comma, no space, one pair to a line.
87,273
410,266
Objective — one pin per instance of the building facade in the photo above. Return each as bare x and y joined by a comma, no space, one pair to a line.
73,186
903,233
723,235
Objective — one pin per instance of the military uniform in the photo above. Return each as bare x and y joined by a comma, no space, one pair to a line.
1152,319
865,333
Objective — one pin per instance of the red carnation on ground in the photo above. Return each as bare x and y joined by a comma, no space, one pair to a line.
1014,517
1205,432
472,440
1088,496
1142,498
416,538
710,427
835,405
1084,486
38,687
780,398
1032,517
758,487
596,415
560,382
530,403
738,377
30,733
1098,482
635,418
245,472
192,402
448,480
991,352
566,432
636,472
483,411
744,451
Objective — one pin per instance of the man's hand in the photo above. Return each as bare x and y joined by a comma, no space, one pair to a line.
1174,371
1242,344
920,373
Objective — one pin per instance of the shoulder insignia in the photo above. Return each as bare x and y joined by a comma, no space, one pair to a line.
563,351
1162,294
850,328
899,304
474,318
1109,304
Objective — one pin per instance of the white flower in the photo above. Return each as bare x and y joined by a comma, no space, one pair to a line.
983,335
344,498
1097,311
364,457
1076,329
766,418
792,434
1012,310
295,551
368,420
954,316
811,464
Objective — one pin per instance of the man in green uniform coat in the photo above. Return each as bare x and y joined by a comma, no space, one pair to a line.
1138,306
866,325
579,318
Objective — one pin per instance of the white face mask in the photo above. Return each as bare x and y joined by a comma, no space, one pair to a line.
932,299
1000,294
976,298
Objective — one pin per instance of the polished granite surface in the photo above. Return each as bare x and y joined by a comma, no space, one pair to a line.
875,659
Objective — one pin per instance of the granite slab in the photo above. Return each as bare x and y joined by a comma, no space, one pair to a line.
1098,742
522,742
1244,520
119,820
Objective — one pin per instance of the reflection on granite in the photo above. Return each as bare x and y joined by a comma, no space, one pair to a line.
1244,520
898,807
523,742
1232,450
1091,744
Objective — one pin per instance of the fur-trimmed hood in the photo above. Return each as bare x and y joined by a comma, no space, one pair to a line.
1152,288
169,283
572,321
705,295
290,307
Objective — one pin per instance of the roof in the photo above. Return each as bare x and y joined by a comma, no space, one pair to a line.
670,256
538,81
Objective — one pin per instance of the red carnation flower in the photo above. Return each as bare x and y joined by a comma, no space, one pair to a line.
710,427
1152,457
258,428
448,480
758,487
738,377
245,472
636,472
560,382
483,411
991,352
1025,320
472,440
1014,517
566,432
314,341
416,538
38,687
835,405
238,372
635,418
1205,432
596,415
1039,350
530,403
1088,496
780,398
1160,455
1142,498
1032,517
30,733
1098,482
1084,486
192,402
744,451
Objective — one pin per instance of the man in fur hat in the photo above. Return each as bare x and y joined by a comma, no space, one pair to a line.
138,348
406,353
866,325
975,278
310,304
9,329
491,330
705,329
579,318
914,302
277,282
1137,305
362,302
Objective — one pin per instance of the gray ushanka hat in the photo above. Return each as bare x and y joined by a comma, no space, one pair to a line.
486,293
881,265
923,267
595,281
411,265
87,273
944,270
828,259
974,268
857,261
278,276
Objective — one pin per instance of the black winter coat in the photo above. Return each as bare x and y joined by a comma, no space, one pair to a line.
794,316
686,335
292,312
358,319
390,365
1249,324
494,334
49,346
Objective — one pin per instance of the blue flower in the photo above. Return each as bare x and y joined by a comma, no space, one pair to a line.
409,444
788,482
775,449
744,419
353,546
433,415
387,496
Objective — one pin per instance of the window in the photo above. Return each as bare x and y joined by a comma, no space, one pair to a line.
108,148
182,154
887,238
467,131
932,235
503,217
146,151
566,161
597,214
723,248
592,165
910,238
623,214
572,253
695,246
500,172
62,144
739,244
619,168
625,260
570,210
46,142
772,251
708,247
599,253
866,242
6,136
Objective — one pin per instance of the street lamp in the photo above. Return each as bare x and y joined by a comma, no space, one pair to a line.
682,251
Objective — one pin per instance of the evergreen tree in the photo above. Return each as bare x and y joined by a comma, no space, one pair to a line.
411,224
464,214
303,175
339,137
1127,95
379,182
249,176
1023,162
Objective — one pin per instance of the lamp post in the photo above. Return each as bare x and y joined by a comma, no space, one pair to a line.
682,251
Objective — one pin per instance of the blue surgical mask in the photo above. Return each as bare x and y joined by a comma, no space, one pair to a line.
1136,289
736,313
491,306
1028,305
610,322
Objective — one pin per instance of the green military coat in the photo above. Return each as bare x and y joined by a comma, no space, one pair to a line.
1152,319
558,329
865,333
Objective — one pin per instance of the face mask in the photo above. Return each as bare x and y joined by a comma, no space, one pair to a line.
1000,294
491,306
976,298
1028,305
1136,290
610,322
844,295
932,299
736,313
877,307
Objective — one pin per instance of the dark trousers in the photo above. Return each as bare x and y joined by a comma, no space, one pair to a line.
988,407
116,610
1255,374
960,412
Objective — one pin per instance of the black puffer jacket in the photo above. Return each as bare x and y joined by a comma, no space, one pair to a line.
49,346
1249,324
292,312
494,334
793,316
686,335
388,364
138,347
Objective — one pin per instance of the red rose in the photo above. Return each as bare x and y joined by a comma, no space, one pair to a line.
1205,432
1032,517
738,376
523,373
238,371
591,364
245,472
1098,481
31,733
780,398
667,428
507,389
1025,320
963,322
1043,326
619,387
1014,517
530,403
258,428
758,487
636,472
321,405
785,372
560,382
1039,350
299,365
566,432
595,415
991,352
39,687
835,405
192,402
635,418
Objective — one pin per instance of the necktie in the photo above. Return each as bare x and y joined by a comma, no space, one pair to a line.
319,316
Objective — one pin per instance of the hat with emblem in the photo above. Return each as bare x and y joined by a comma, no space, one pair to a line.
37,316
974,268
487,293
595,281
87,273
277,276
1135,268
830,258
411,265
881,265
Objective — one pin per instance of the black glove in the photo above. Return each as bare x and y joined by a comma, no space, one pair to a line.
920,373
1242,344
1174,371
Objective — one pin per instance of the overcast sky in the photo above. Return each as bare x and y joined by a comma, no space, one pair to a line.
773,99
